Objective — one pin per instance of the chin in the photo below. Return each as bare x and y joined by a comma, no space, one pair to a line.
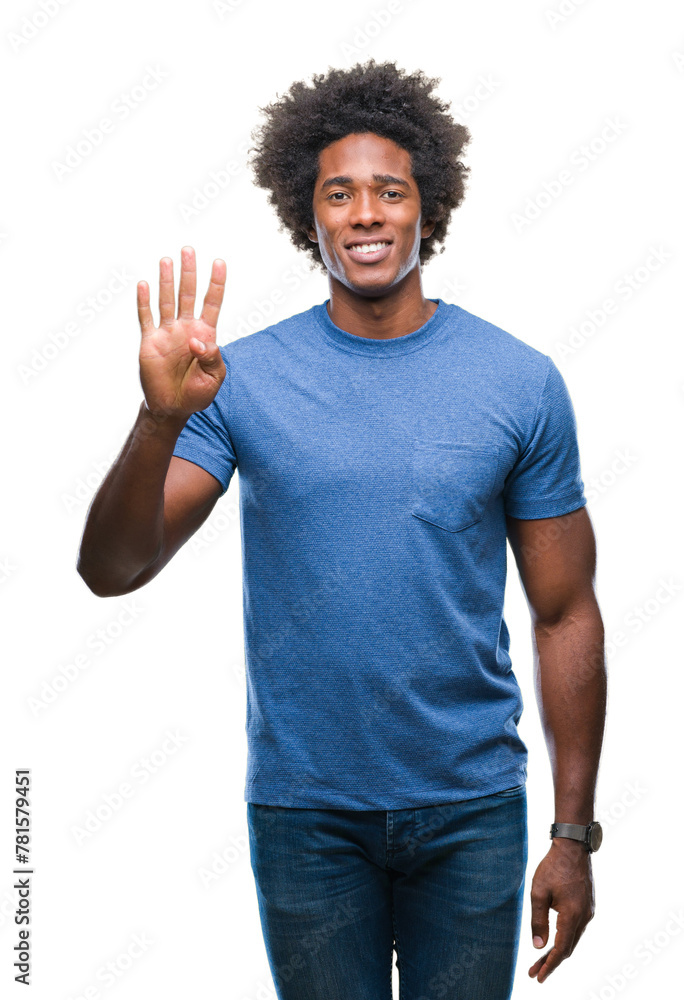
371,285
370,290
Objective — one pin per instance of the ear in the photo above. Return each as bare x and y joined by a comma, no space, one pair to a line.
311,233
427,229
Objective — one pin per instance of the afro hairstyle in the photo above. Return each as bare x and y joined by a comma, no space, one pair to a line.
371,97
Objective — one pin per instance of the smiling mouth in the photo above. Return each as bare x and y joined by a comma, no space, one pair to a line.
366,248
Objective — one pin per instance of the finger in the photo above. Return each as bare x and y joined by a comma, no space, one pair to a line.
540,918
534,969
188,284
551,961
144,311
580,931
166,296
562,946
214,296
208,355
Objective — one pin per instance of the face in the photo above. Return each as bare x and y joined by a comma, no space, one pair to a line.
365,196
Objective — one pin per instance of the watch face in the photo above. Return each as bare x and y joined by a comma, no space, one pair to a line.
595,836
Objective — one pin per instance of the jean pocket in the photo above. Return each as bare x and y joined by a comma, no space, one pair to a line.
452,482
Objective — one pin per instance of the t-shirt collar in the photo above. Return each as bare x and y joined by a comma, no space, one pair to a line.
371,346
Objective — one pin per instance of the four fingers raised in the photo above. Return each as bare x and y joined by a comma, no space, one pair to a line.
187,291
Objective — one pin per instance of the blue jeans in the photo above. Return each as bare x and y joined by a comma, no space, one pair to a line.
339,889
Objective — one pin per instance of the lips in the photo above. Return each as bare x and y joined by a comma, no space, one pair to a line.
368,256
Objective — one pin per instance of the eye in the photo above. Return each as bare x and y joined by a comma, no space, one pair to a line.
333,196
398,194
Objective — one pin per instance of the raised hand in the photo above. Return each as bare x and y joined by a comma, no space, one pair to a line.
181,368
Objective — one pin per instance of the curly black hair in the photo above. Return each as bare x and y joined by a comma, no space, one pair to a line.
371,97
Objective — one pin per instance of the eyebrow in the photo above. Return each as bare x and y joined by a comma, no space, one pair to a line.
378,178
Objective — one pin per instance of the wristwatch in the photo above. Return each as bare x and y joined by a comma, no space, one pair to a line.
591,835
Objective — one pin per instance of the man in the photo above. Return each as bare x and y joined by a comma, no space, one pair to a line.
387,445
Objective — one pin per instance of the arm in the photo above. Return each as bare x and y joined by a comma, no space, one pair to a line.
146,508
151,501
556,559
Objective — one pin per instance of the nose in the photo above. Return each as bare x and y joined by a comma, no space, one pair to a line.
366,209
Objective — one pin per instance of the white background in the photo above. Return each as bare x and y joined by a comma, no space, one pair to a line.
534,82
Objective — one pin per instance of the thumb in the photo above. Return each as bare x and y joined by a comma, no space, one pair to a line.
208,355
540,921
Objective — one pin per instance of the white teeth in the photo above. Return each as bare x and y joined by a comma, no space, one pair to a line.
368,247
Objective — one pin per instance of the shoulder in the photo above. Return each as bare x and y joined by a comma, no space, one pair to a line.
260,344
498,359
501,345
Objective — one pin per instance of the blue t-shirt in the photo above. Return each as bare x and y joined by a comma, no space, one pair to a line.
374,480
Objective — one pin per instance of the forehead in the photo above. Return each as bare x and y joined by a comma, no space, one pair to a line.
360,155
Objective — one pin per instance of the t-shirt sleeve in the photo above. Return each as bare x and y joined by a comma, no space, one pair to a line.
546,479
205,439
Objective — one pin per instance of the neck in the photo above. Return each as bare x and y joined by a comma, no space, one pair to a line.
398,311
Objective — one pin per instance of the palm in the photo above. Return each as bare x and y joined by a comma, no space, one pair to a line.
177,376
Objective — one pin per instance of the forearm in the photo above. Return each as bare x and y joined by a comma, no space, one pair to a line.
123,532
570,680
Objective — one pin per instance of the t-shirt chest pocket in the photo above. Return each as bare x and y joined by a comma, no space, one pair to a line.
452,482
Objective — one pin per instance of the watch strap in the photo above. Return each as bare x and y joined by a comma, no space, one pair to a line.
574,831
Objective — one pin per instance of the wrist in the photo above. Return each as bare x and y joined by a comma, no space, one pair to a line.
586,836
163,428
563,845
163,418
